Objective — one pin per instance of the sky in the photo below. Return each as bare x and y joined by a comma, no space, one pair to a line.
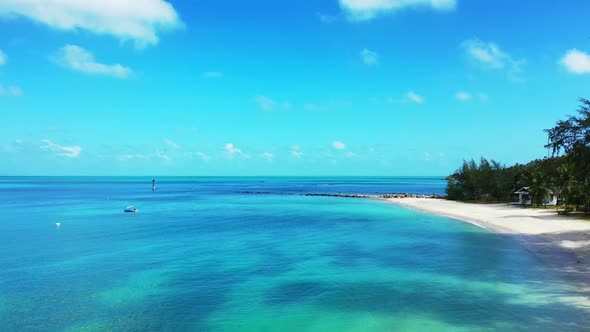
284,87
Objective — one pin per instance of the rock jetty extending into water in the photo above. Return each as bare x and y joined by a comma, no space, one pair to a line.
376,196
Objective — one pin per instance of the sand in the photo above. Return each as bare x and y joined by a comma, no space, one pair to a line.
561,242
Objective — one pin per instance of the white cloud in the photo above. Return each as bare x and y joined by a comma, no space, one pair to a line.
268,156
414,97
146,156
170,143
212,74
203,156
350,154
266,103
80,60
488,54
63,151
491,56
232,151
296,151
137,20
463,96
163,155
370,58
134,156
427,156
11,91
466,96
338,145
362,10
230,148
3,58
576,62
409,97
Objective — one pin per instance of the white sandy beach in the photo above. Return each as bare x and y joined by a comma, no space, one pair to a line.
561,241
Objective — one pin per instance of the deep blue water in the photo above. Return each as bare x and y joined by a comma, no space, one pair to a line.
202,255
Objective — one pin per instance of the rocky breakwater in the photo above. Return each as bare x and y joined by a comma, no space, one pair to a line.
343,195
381,196
406,195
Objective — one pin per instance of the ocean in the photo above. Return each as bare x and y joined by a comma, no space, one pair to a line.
254,254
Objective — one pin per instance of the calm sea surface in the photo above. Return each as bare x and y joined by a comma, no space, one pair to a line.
251,254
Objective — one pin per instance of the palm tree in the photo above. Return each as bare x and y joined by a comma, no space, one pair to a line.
538,189
523,199
565,184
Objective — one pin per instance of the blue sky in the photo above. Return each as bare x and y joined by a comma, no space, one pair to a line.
330,87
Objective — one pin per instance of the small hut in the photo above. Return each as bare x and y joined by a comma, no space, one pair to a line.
524,193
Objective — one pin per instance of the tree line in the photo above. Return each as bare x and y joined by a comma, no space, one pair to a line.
565,174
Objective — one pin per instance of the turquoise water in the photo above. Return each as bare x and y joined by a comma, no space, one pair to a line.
202,255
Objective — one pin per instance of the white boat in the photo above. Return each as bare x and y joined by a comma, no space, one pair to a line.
130,208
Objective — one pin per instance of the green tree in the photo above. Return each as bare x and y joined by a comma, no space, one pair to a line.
523,199
572,138
566,173
564,185
538,189
573,133
487,180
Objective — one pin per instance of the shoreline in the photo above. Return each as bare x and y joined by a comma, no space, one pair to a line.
561,243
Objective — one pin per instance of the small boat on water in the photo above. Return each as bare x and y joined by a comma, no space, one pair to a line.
130,208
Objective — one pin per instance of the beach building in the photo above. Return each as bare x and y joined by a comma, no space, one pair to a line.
525,193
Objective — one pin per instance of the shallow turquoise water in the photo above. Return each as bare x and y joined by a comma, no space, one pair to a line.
203,256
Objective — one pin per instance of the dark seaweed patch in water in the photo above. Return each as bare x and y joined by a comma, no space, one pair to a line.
296,292
347,255
454,306
274,263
